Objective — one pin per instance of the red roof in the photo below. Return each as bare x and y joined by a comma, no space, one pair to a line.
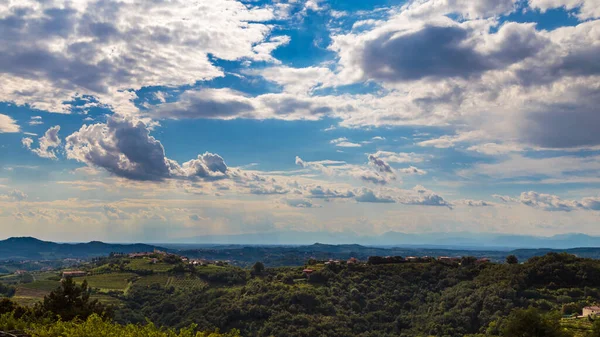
308,271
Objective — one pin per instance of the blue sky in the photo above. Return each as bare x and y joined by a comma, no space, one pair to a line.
229,117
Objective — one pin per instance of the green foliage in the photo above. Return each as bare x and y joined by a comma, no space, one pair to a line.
258,268
595,329
71,301
531,323
512,259
96,326
368,300
6,290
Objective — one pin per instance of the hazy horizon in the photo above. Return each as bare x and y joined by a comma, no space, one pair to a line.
143,121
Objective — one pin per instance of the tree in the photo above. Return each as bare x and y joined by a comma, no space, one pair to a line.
531,323
258,268
71,301
511,259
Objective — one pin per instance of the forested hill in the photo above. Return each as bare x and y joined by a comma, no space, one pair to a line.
28,248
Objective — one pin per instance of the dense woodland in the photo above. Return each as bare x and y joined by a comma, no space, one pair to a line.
434,298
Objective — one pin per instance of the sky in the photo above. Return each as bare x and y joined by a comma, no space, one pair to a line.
152,121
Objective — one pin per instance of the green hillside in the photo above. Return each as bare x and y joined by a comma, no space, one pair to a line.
465,297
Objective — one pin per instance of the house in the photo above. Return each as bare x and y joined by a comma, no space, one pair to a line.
154,261
307,272
591,311
352,260
20,272
412,259
73,273
483,260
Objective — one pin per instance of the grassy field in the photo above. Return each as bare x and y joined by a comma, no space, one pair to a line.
108,282
30,293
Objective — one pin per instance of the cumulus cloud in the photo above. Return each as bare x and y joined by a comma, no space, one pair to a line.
123,146
47,143
344,142
14,195
380,164
474,203
551,202
422,196
114,213
371,176
8,125
51,51
300,203
412,170
368,195
322,192
375,173
587,9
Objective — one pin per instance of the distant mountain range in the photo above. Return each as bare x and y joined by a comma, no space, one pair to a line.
462,240
247,252
27,248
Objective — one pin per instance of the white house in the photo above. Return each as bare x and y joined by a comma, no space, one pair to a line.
591,311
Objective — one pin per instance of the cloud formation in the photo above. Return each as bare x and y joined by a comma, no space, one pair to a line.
549,202
123,146
47,143
8,125
54,50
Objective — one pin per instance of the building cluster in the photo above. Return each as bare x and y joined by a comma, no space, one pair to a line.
144,254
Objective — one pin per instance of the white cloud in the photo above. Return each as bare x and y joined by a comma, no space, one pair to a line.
14,195
54,50
473,203
344,142
587,9
400,157
8,125
551,202
47,143
412,171
123,146
301,203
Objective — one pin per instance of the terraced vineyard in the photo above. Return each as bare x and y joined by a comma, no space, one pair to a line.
145,281
108,282
187,282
